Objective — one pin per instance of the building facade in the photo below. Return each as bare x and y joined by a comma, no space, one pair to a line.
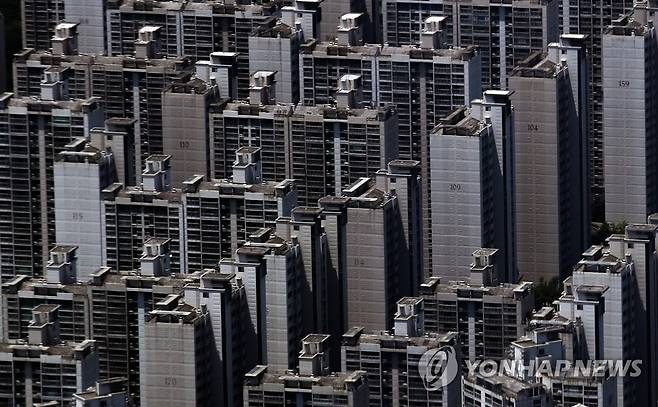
629,74
592,18
465,173
34,131
312,385
220,215
81,172
132,215
551,223
175,356
487,318
41,368
392,359
506,33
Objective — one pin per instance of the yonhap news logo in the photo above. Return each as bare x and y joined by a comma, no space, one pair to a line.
555,368
438,367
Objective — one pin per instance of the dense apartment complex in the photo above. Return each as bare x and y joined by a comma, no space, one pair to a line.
352,203
129,86
324,148
193,29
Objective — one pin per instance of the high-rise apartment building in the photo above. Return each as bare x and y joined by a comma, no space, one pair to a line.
603,314
274,46
285,286
591,18
81,172
443,80
552,224
220,68
175,356
602,293
224,297
640,241
307,15
332,147
129,86
220,215
110,392
488,317
34,131
21,294
423,83
505,32
495,107
41,368
120,302
392,360
111,307
41,17
630,151
273,274
377,259
185,111
404,20
132,215
205,220
572,48
402,179
324,148
466,194
193,29
554,339
331,12
334,225
549,338
312,385
324,63
31,64
145,79
305,226
241,124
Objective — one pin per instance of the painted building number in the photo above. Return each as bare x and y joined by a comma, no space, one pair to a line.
184,144
455,187
533,127
170,381
624,84
77,216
